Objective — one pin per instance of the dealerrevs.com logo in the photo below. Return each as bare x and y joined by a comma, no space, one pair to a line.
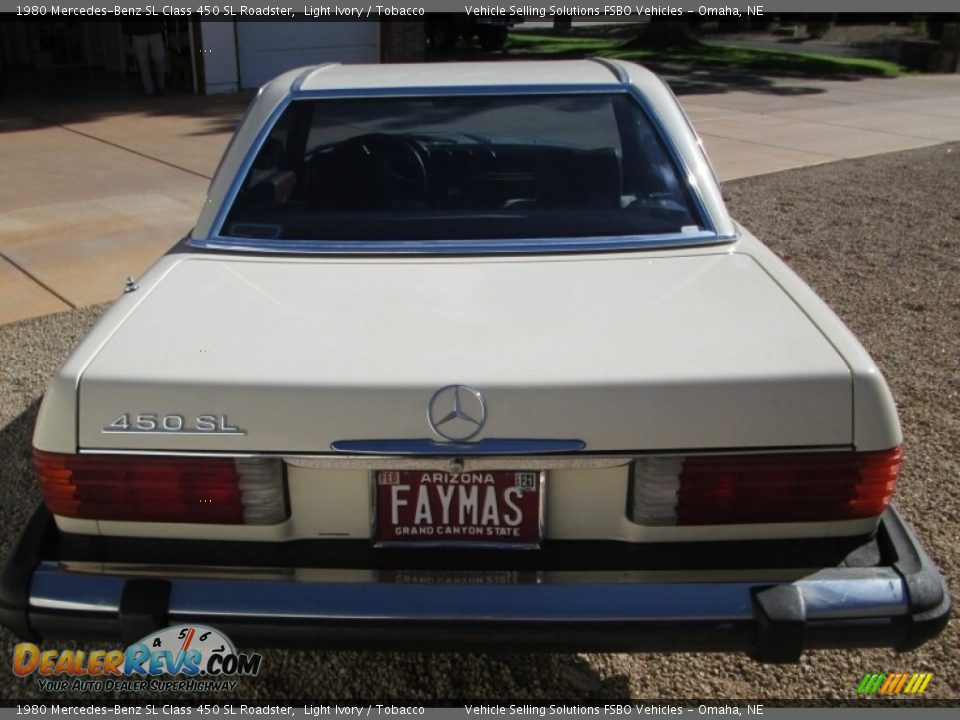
201,658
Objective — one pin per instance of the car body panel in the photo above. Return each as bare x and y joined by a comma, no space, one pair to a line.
302,353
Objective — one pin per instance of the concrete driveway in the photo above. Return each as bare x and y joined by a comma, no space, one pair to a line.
93,192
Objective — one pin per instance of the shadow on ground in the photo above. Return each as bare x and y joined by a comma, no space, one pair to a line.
703,74
19,496
32,103
683,79
49,104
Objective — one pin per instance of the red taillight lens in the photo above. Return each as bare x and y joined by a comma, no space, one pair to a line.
768,488
150,488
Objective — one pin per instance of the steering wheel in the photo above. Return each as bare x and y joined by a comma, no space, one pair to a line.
395,166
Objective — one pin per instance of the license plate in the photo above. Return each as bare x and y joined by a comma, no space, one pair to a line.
458,577
496,508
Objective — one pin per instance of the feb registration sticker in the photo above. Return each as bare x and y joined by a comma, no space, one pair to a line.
483,509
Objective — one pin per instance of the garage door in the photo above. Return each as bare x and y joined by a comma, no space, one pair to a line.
266,49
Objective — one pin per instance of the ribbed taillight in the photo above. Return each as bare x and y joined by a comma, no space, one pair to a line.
151,488
762,488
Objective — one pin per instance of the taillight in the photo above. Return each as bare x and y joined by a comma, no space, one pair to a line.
767,488
150,488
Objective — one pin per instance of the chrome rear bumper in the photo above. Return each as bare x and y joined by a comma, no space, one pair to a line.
896,599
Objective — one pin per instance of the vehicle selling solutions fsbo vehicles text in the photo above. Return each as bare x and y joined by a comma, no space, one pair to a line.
609,709
543,11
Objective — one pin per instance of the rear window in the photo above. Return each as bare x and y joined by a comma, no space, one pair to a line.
462,168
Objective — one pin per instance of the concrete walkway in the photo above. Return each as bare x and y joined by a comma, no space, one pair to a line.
92,193
800,122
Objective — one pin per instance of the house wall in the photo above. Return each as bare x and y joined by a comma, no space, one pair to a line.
219,56
266,49
241,55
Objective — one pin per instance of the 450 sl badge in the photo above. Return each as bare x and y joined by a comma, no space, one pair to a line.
159,424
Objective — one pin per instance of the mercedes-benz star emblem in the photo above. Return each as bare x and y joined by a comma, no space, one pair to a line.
457,412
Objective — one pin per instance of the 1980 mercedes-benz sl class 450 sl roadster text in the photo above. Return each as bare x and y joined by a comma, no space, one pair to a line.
472,356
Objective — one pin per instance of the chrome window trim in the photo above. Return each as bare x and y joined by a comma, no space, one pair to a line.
460,247
245,164
218,241
696,136
233,138
659,127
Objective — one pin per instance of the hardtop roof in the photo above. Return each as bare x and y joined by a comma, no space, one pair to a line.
466,74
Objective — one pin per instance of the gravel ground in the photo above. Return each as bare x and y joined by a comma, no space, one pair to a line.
879,238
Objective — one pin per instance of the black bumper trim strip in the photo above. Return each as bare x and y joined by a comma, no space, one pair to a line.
926,587
781,622
143,608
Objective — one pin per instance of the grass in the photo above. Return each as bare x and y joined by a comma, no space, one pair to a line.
697,54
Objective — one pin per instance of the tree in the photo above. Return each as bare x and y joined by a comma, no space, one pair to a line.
663,32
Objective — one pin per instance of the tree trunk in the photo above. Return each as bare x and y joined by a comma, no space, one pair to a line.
660,32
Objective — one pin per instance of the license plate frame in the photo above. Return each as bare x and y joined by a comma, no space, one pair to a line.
532,523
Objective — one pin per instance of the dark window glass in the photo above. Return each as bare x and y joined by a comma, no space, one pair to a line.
454,167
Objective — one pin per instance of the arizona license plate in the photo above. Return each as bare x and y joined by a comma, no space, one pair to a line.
494,508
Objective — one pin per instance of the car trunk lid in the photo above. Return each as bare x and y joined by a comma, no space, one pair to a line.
634,352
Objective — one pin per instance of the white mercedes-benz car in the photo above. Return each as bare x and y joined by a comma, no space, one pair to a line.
472,356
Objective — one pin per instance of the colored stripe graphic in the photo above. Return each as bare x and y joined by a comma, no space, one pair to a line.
870,683
918,683
896,683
